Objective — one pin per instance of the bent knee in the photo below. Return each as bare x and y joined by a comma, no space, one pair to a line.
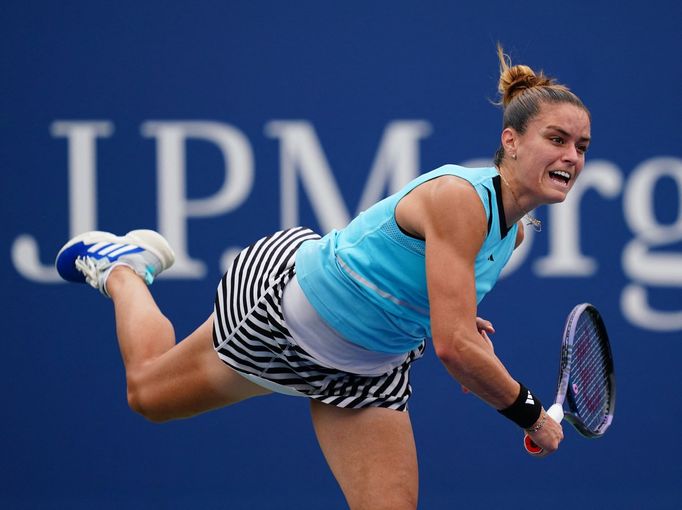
135,404
144,409
143,402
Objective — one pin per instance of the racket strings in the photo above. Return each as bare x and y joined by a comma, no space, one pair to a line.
589,380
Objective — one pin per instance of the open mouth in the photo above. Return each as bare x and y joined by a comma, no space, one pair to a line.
560,176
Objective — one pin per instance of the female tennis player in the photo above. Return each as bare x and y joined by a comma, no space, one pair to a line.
340,319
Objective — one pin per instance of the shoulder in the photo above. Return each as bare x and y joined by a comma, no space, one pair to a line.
454,212
443,198
451,192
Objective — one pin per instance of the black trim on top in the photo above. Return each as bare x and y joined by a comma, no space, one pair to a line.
490,208
500,208
411,236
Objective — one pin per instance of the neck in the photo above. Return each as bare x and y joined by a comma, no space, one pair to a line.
515,207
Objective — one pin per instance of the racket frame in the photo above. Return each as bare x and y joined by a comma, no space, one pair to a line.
563,389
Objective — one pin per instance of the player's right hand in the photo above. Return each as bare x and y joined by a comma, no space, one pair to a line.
548,436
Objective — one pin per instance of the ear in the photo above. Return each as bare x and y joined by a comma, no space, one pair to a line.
509,139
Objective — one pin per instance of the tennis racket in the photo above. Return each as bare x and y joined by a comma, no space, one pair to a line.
587,384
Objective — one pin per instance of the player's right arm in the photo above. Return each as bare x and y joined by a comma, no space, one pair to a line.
453,222
454,226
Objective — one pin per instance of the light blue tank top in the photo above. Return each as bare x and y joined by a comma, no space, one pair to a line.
368,280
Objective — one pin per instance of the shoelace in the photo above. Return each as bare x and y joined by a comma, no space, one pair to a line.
91,268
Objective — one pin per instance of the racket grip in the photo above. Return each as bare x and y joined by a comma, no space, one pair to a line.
556,412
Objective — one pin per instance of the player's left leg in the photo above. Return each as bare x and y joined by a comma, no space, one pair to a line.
165,380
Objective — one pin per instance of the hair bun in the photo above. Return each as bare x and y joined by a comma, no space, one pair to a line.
516,79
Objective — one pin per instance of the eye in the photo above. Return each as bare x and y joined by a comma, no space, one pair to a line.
582,149
557,139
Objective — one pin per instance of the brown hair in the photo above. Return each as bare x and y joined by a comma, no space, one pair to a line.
522,92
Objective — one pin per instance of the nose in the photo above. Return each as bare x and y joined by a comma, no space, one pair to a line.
571,155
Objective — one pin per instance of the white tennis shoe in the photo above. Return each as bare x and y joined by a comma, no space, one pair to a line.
90,257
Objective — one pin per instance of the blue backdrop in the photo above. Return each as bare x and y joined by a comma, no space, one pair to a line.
218,122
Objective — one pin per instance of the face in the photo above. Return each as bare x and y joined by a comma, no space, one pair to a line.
550,154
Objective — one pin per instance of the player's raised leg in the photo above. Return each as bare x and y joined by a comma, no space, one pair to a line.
165,380
371,453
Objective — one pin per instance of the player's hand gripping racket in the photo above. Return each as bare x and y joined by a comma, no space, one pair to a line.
587,385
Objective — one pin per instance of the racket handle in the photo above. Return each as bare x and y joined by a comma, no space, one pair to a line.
556,412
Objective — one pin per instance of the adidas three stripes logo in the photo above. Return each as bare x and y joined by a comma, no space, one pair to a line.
112,250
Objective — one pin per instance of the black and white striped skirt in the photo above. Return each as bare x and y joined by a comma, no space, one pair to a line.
250,335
